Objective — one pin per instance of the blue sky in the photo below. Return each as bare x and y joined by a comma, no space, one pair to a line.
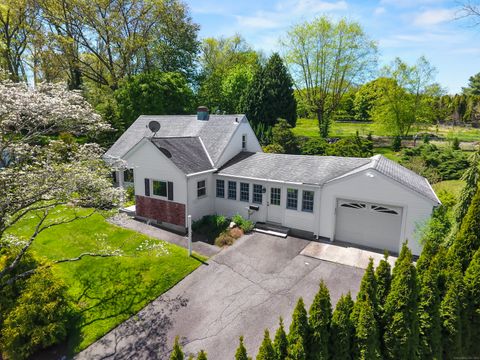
404,28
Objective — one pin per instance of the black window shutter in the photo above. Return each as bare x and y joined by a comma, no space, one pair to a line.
147,187
170,190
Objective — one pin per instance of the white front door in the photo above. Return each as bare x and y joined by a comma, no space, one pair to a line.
275,208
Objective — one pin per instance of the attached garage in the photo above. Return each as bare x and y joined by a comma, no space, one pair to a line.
369,224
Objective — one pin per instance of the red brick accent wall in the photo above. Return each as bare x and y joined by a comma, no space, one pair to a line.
160,210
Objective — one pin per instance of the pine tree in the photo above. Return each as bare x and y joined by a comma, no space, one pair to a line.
280,343
241,353
296,351
202,355
467,240
270,94
383,278
400,336
451,312
472,290
299,329
430,330
320,316
366,340
342,329
368,287
266,351
177,353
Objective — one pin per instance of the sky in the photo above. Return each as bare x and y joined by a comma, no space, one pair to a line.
402,28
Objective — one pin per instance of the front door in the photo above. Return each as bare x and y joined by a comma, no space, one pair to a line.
275,208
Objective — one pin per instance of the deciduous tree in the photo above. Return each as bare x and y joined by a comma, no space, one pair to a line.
325,59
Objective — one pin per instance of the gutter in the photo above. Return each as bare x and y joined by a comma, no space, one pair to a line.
201,172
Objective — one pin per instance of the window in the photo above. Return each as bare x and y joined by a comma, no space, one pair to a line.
257,193
384,210
201,188
354,205
159,188
275,196
244,192
307,201
292,199
244,142
220,188
232,190
128,175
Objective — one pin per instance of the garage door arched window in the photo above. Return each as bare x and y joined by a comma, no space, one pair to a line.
384,210
353,205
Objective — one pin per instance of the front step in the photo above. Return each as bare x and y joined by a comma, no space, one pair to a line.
272,229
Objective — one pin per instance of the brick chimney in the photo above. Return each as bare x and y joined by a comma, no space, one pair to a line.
202,113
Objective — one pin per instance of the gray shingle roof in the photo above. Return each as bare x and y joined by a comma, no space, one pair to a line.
404,176
318,170
307,169
187,153
215,133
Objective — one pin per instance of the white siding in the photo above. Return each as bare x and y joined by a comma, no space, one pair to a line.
235,144
148,162
377,189
199,207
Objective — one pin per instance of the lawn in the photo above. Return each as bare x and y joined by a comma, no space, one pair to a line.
107,291
453,187
309,127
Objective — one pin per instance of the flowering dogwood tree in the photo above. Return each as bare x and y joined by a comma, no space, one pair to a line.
37,177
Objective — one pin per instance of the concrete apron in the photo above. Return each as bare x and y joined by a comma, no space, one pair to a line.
344,255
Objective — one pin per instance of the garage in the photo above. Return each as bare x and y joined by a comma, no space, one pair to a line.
369,224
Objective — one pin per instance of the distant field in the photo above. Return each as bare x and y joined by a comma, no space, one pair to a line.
309,127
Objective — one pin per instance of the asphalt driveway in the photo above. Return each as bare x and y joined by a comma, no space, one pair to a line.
241,291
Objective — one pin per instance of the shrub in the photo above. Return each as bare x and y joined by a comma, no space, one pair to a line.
39,319
455,144
274,148
245,225
224,239
130,194
397,143
314,146
210,225
236,233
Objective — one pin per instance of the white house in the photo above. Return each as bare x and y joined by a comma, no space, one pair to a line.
204,164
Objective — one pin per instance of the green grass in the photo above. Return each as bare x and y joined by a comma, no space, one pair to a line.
107,291
453,187
388,153
309,127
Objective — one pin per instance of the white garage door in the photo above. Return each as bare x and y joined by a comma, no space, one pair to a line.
367,224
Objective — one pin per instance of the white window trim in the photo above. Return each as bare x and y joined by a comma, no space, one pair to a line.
313,201
286,204
158,196
216,189
206,193
244,136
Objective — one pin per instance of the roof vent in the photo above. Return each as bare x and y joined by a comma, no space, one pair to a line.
202,113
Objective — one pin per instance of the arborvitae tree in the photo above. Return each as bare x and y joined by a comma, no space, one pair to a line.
299,329
320,316
430,329
451,311
241,353
366,340
266,351
280,344
270,95
177,353
296,351
383,278
202,355
472,291
342,329
400,336
467,240
368,287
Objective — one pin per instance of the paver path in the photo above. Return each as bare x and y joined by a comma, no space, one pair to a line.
153,231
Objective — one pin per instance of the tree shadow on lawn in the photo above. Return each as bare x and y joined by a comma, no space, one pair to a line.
111,295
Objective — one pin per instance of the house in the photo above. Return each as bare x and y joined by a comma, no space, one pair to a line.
205,164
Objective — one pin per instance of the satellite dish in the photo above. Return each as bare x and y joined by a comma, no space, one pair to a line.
154,126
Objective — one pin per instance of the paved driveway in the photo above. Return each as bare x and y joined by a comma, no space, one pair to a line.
241,291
